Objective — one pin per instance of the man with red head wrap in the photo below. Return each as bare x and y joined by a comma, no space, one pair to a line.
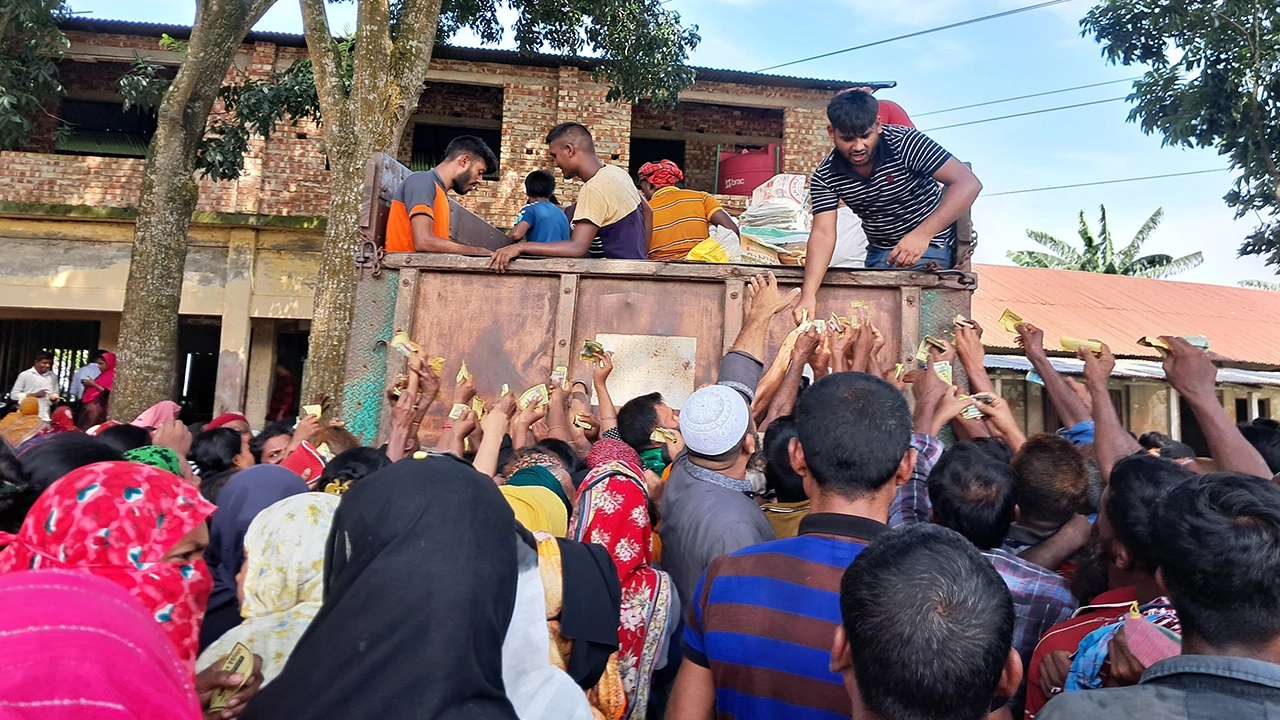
681,218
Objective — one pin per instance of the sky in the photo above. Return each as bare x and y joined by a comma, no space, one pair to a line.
1027,53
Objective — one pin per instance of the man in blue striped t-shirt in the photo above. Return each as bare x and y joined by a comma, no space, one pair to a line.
889,175
762,620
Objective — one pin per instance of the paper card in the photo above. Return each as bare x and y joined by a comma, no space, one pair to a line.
643,364
1074,344
312,410
239,660
1009,320
943,369
401,343
456,411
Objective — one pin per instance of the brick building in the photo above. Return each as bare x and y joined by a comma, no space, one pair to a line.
66,216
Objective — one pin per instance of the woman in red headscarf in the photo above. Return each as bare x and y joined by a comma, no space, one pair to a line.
681,218
135,525
97,392
613,511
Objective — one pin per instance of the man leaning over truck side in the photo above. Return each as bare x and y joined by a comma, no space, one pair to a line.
889,175
610,219
419,219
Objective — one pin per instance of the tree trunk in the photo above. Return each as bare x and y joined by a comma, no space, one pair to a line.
148,347
386,85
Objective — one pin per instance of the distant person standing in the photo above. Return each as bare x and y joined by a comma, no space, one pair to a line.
97,393
284,393
91,370
38,381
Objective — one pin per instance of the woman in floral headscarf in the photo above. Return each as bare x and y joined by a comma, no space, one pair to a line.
282,581
613,511
137,526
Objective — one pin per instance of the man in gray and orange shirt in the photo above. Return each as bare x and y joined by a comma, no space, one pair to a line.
419,219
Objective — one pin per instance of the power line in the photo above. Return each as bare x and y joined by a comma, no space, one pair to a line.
1024,114
962,23
1024,97
1102,182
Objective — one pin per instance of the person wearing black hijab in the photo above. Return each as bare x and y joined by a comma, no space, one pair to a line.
420,585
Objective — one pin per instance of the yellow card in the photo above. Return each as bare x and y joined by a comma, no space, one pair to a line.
477,406
401,343
312,410
663,435
456,411
1008,321
506,389
462,372
239,660
590,348
582,421
537,394
943,369
1073,344
560,376
436,364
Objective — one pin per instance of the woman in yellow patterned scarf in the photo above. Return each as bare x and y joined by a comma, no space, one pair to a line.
282,580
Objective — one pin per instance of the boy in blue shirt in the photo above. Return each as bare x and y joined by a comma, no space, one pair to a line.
542,220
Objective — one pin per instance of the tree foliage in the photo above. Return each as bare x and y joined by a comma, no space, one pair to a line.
30,44
1212,80
1100,254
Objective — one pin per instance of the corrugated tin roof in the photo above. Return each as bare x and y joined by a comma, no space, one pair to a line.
1242,325
1140,369
472,54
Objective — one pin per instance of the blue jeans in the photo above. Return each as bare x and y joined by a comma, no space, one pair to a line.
878,258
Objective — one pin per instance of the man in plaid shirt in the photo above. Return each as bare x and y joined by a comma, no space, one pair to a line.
974,494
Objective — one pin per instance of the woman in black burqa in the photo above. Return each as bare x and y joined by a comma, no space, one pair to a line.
420,585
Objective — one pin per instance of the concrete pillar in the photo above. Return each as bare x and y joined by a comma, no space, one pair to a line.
262,365
1254,397
1175,416
233,349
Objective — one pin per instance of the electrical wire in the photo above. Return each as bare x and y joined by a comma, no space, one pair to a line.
1023,114
1022,97
1101,182
962,23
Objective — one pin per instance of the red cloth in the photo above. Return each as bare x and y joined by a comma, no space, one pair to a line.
281,397
158,414
224,419
607,451
1067,635
613,512
106,379
61,420
77,647
117,520
891,113
664,173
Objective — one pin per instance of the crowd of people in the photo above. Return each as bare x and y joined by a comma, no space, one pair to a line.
824,532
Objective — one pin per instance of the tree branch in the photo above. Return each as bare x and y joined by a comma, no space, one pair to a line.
324,57
415,39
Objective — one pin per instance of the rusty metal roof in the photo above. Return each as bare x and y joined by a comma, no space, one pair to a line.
1242,325
492,55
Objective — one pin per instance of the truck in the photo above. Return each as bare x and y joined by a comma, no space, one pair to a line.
669,323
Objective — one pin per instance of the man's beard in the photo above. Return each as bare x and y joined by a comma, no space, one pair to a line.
460,187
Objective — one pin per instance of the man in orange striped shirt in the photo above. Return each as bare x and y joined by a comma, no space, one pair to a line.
681,218
419,218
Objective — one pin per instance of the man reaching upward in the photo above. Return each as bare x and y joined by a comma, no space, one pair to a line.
610,220
419,219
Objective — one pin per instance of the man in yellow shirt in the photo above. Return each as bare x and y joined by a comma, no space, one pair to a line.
681,218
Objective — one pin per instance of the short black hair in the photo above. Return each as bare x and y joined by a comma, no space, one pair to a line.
855,429
43,355
1154,440
571,132
853,112
973,494
1220,557
924,592
1051,479
215,451
96,355
779,475
569,457
272,430
1137,482
475,147
995,448
637,420
352,465
45,463
1266,440
124,438
540,184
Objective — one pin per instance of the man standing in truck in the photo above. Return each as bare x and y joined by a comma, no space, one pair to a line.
610,219
907,189
419,219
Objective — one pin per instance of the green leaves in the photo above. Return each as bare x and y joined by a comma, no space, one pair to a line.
1101,256
1212,80
30,44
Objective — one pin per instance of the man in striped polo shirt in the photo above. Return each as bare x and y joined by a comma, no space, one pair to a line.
761,622
906,188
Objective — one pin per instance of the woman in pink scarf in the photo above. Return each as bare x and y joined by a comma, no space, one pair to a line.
77,647
97,392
